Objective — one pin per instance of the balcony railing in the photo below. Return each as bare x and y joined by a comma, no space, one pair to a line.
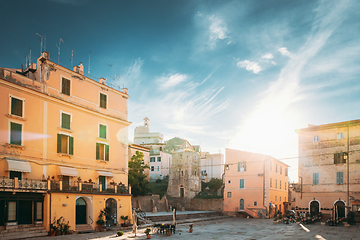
59,185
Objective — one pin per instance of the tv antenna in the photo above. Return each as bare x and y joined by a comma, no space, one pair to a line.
111,76
60,40
42,42
90,53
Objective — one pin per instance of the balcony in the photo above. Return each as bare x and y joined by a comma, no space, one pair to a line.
60,186
23,184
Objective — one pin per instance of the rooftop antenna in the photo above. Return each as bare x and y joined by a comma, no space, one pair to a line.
41,42
60,40
111,76
26,61
72,57
90,53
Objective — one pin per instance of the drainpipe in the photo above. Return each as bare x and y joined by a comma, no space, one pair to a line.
301,187
347,165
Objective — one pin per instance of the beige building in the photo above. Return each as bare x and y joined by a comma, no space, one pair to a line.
142,134
329,168
254,183
212,166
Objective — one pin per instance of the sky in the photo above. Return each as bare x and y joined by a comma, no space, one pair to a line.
221,74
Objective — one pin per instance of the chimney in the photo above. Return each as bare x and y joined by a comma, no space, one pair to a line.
45,55
102,80
79,69
125,90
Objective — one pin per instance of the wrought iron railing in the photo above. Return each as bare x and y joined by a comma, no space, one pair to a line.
33,184
6,183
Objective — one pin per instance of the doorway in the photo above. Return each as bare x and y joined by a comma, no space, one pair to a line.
242,205
25,212
314,208
182,192
2,212
339,208
111,215
80,211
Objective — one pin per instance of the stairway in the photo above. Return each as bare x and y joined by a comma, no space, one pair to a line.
252,213
23,231
84,228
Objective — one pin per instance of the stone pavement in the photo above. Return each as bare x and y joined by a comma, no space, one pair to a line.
233,228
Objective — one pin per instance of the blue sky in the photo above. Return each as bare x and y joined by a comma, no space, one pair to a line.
238,74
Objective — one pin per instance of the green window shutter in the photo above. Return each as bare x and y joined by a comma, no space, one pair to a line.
244,166
103,99
59,143
341,175
106,152
238,166
97,150
15,134
102,131
314,178
16,107
65,86
71,145
65,121
242,183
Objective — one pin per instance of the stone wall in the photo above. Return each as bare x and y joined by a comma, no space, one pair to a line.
197,204
146,203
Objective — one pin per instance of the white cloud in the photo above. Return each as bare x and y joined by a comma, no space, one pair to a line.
171,80
268,56
218,30
285,52
250,66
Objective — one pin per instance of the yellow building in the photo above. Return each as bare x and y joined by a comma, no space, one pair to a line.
256,184
63,147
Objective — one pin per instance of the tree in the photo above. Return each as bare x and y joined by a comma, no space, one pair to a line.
137,179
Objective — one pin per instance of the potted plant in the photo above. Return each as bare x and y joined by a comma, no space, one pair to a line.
190,228
147,232
168,233
53,228
100,222
79,179
120,233
125,219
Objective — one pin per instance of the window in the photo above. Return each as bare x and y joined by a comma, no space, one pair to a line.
270,182
316,138
39,213
17,107
65,86
315,178
229,181
280,169
286,172
102,152
103,100
280,199
159,159
275,198
152,168
65,144
255,203
102,131
242,183
285,187
152,159
158,169
65,120
339,178
280,184
270,165
15,174
12,211
276,168
229,194
241,166
340,157
339,136
227,167
15,133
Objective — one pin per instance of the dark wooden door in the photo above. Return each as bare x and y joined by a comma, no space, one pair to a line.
80,211
2,212
25,212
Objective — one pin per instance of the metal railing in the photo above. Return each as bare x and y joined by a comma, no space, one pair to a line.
6,183
33,184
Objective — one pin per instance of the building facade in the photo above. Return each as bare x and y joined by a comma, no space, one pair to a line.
133,148
254,183
212,166
329,169
62,153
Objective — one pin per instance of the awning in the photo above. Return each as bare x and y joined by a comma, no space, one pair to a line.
106,174
17,165
67,171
